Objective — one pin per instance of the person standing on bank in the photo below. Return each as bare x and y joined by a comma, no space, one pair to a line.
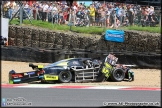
92,14
10,10
45,9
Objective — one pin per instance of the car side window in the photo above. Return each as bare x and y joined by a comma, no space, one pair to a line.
74,63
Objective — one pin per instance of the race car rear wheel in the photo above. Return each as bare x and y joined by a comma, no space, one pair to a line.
118,75
65,76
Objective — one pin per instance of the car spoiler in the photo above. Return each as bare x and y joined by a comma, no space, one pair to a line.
36,67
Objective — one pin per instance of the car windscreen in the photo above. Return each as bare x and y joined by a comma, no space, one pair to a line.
58,62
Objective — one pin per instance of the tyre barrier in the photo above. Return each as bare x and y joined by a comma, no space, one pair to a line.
30,54
134,40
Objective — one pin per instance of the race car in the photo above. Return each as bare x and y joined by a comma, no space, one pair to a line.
75,70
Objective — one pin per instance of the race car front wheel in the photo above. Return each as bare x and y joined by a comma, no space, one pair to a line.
118,75
65,76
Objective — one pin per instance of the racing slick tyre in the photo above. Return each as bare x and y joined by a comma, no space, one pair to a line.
117,75
65,76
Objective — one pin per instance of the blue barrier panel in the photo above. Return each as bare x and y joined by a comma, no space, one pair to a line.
114,35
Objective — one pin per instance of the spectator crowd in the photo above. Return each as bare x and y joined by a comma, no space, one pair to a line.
107,14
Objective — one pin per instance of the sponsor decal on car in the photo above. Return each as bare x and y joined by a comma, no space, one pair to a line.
11,82
17,80
30,73
25,73
107,68
40,66
50,77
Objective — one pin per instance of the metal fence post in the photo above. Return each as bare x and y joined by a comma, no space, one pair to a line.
160,21
31,13
1,10
36,13
21,14
105,19
74,17
52,14
69,15
115,20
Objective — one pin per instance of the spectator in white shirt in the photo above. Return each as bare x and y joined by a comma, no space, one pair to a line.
26,6
45,10
150,12
55,14
50,12
74,8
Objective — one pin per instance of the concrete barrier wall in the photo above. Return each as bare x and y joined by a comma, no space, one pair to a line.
135,41
26,54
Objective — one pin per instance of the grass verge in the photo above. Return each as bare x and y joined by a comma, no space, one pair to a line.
85,30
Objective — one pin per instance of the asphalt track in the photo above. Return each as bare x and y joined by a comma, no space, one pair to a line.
72,97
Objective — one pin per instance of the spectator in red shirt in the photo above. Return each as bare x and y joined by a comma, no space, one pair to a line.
65,15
